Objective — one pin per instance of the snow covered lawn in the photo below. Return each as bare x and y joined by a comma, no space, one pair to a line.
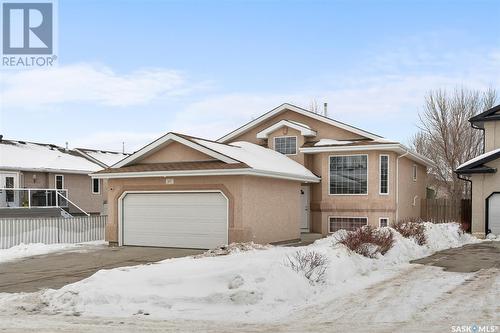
252,286
28,250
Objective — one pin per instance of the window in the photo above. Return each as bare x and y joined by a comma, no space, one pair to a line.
96,186
347,223
384,174
414,172
286,145
59,182
349,174
383,222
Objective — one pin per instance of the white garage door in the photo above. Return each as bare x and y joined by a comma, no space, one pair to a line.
189,220
494,214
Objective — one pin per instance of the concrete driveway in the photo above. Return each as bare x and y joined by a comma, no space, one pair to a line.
58,269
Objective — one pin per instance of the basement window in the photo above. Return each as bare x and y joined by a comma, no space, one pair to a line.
383,222
346,223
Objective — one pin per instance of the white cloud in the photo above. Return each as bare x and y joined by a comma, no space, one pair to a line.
85,83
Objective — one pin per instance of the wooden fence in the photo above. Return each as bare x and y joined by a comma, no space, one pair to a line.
446,210
14,231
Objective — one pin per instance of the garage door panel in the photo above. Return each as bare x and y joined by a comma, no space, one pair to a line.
194,220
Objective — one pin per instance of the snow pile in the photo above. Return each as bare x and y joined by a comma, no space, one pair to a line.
251,285
233,248
34,249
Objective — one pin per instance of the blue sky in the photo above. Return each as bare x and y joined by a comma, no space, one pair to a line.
133,70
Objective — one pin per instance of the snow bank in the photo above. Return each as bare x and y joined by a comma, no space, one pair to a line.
28,250
252,285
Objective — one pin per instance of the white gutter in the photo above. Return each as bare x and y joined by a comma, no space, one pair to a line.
214,172
78,172
397,185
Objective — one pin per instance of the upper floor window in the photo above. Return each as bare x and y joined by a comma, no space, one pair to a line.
59,182
96,186
349,174
286,145
414,172
384,174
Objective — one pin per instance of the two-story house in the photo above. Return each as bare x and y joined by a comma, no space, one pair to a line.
290,170
482,172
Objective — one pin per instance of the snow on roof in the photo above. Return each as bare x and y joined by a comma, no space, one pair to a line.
20,155
258,157
107,157
478,158
328,142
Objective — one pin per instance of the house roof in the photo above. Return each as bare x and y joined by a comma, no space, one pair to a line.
41,157
258,160
476,165
105,158
286,106
488,115
175,166
304,129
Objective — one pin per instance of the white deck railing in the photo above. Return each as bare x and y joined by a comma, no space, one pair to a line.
33,198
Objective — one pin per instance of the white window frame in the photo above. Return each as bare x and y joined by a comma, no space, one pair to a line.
380,221
380,174
344,217
367,174
55,181
286,136
414,172
92,185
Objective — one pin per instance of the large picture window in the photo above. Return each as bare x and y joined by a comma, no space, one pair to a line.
384,174
286,145
349,174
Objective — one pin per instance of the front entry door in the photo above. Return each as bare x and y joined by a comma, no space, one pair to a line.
305,203
7,197
494,214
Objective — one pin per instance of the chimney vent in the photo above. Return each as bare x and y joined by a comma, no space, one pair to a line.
325,109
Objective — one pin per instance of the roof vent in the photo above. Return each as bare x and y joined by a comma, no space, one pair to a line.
1,137
22,142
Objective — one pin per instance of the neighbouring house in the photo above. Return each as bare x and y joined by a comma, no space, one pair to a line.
482,172
288,171
39,179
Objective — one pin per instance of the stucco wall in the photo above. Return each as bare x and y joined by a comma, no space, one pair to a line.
483,185
175,152
491,135
256,205
372,205
323,130
80,192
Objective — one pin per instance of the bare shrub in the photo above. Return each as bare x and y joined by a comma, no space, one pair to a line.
412,228
368,241
309,263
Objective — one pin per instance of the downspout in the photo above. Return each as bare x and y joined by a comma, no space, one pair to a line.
397,184
484,139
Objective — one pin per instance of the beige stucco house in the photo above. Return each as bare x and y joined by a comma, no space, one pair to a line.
286,172
482,172
38,179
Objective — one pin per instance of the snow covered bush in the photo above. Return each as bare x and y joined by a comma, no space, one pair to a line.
367,241
412,228
309,263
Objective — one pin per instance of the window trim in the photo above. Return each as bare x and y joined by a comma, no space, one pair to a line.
380,221
414,172
380,174
55,181
367,175
287,136
92,185
344,217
